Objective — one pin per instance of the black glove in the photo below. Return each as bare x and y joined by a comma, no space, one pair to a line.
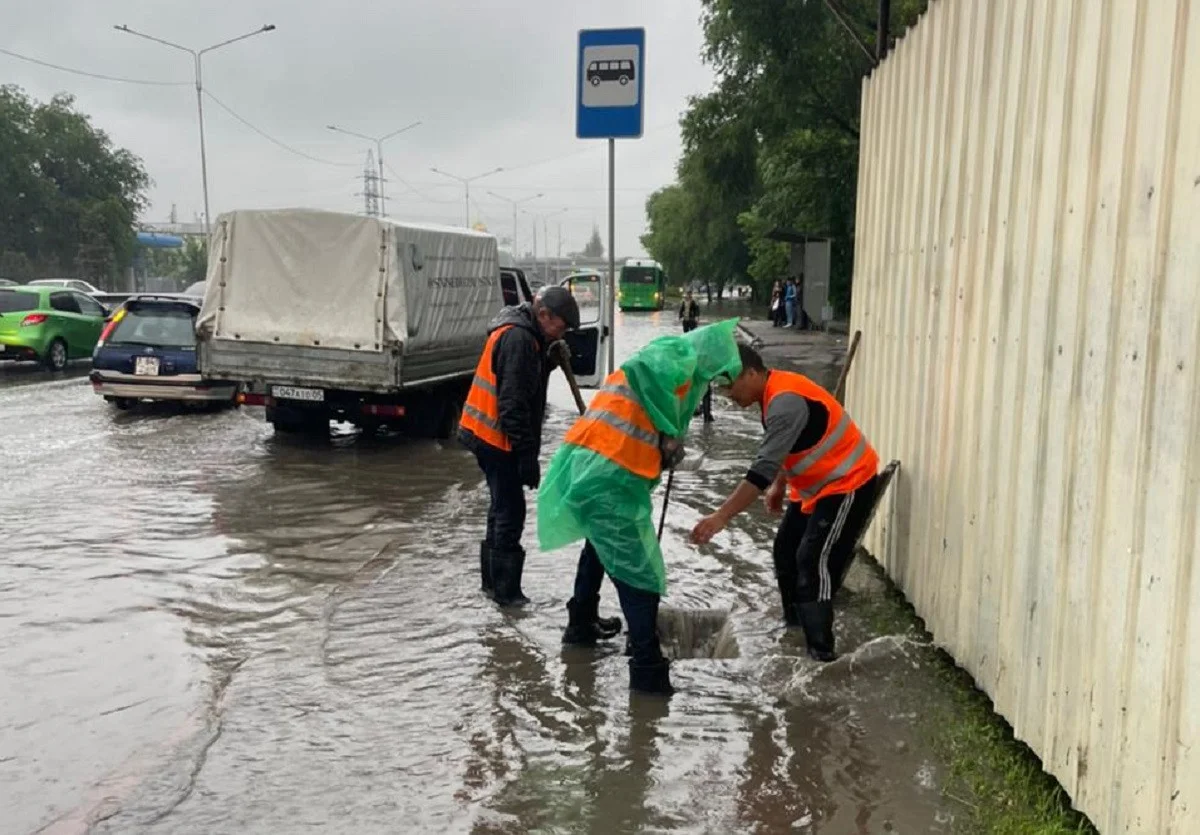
530,471
670,451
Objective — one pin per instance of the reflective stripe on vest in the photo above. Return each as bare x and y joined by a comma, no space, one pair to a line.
843,460
616,426
481,412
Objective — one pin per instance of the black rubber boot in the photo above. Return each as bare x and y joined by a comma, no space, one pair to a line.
507,568
651,678
585,627
817,619
485,569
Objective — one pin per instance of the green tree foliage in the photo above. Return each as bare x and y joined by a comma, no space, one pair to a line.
594,247
776,144
68,197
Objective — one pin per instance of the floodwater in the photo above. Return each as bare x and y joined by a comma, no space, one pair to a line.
208,629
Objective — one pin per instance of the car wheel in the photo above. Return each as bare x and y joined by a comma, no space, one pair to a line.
56,355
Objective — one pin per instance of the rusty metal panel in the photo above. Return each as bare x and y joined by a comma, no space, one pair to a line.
1027,280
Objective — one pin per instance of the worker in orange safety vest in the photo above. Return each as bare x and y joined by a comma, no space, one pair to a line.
812,451
502,424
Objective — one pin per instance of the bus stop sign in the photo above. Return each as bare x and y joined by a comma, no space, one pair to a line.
610,83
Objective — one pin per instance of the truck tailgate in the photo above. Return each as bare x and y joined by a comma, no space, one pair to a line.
261,363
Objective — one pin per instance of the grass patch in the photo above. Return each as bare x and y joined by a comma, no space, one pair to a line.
995,777
996,780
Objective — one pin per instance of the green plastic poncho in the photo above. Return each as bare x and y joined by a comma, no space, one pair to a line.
586,496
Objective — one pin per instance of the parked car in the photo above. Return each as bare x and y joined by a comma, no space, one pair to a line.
8,282
69,283
50,325
148,352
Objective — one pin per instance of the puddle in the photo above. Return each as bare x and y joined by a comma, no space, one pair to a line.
696,633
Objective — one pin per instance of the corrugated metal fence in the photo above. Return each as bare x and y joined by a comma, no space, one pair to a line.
1028,286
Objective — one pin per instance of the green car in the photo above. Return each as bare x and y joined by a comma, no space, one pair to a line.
50,325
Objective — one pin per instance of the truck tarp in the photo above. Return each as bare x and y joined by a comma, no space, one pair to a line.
314,278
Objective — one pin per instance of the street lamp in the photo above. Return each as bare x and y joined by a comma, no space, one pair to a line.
514,204
545,233
196,56
378,140
466,181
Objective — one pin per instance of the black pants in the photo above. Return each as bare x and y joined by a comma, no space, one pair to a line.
813,551
506,512
640,607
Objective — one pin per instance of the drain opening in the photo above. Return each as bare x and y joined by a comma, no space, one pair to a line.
696,633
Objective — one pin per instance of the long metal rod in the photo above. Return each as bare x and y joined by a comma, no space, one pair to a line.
612,257
662,520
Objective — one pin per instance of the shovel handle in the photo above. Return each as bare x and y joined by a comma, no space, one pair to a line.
565,364
839,390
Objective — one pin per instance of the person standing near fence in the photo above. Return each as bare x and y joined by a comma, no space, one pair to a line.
812,450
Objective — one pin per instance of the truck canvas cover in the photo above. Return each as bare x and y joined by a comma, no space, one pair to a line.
319,279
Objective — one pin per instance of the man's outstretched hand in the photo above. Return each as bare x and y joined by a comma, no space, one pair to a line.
707,528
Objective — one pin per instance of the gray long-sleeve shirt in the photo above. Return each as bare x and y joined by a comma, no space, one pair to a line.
789,425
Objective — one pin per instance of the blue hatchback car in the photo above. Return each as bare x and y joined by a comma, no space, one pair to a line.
147,351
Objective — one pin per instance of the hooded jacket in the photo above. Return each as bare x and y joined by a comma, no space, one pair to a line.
522,371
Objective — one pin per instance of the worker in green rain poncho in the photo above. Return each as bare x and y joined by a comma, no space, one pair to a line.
599,483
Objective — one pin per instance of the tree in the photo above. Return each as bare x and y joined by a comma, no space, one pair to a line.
595,247
68,197
776,143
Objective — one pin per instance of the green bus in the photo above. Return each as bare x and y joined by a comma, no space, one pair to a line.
642,285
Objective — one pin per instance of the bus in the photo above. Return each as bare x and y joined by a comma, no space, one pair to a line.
642,285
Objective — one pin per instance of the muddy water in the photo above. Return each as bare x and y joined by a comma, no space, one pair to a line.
205,628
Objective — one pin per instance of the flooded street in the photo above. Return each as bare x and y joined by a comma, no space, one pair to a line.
207,628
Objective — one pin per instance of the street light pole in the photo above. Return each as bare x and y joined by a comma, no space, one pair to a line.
378,140
197,54
514,204
466,181
545,235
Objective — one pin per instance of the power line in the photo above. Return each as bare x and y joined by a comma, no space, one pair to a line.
275,141
414,189
100,76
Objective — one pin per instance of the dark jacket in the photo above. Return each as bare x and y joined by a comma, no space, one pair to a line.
689,311
522,370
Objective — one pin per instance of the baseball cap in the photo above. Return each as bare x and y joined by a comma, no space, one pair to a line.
560,302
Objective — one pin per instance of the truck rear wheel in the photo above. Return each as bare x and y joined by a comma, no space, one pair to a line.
436,416
297,421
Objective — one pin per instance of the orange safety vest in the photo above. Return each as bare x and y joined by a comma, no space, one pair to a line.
616,426
481,412
843,460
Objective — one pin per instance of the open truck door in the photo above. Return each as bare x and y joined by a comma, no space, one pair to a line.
588,344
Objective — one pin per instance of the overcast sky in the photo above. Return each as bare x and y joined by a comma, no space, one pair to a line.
492,82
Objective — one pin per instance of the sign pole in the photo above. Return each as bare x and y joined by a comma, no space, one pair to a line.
612,254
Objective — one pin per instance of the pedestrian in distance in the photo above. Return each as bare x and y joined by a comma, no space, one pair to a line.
502,424
600,481
689,316
812,450
689,312
790,301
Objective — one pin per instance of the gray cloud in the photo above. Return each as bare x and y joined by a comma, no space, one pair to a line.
492,83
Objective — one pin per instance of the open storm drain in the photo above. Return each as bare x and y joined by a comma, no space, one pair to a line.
696,633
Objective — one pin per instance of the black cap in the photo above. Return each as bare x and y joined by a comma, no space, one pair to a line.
560,302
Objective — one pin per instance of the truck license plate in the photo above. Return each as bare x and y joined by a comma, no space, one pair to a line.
293,393
145,366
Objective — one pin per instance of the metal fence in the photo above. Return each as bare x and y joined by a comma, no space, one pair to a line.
1027,280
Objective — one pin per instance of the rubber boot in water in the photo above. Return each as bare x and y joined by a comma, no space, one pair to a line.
585,627
485,568
507,568
817,619
654,677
